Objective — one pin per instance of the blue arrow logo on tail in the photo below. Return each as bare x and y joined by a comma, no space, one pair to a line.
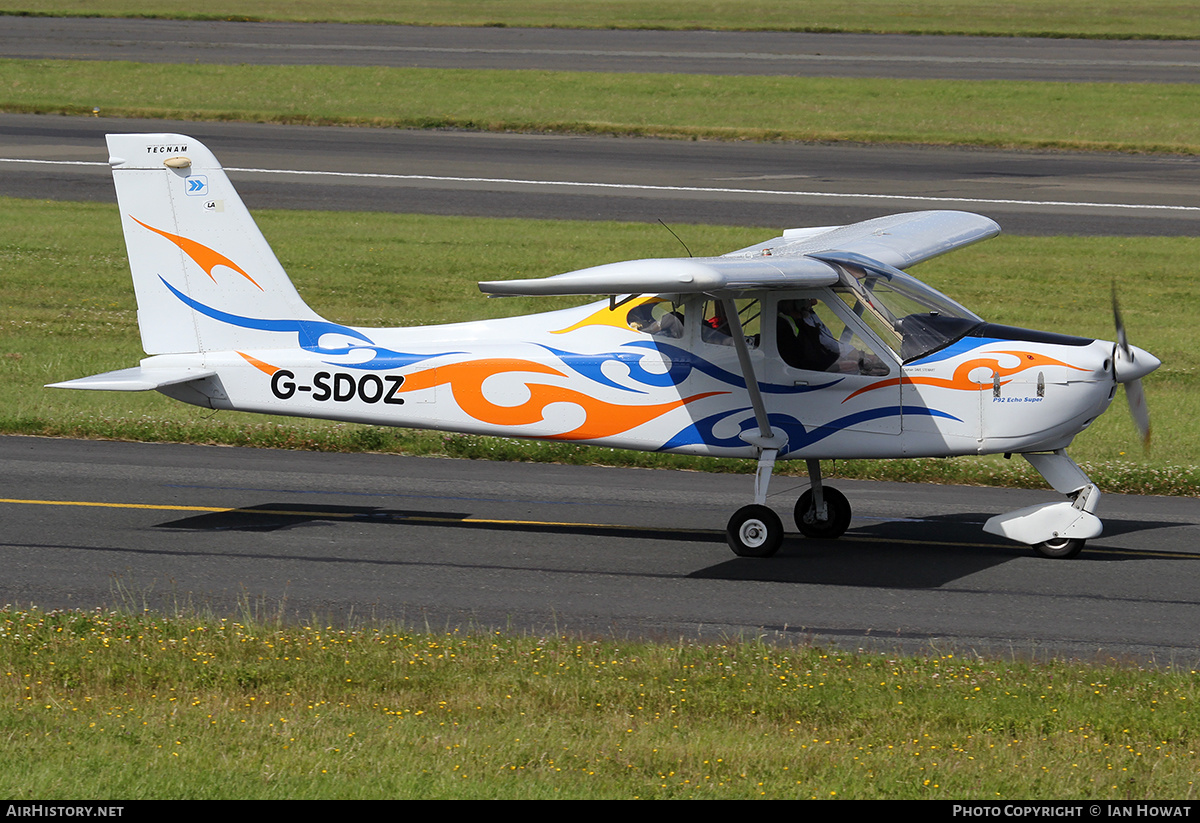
196,185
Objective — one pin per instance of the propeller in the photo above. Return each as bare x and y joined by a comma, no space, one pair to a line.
1130,364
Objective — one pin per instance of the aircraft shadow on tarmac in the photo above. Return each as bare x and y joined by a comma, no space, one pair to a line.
268,517
966,528
918,554
275,516
924,554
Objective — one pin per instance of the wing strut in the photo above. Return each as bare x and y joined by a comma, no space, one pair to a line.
768,441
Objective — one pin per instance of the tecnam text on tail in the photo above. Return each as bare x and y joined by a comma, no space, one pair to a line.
813,345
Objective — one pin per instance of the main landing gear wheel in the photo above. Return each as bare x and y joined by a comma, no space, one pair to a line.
754,531
836,506
1060,548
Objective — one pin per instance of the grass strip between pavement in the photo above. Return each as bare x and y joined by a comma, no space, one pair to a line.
1158,118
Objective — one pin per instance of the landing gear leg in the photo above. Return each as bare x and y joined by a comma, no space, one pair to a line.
755,530
821,512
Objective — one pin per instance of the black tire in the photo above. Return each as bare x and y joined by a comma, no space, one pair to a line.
836,506
1060,548
754,531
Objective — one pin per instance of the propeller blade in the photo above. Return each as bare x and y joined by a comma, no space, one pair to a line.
1127,370
1138,410
1122,340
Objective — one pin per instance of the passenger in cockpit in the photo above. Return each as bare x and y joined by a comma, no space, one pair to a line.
668,324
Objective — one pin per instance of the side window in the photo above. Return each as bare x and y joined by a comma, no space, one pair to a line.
717,330
661,318
810,335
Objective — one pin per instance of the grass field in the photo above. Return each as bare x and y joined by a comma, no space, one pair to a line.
67,310
134,705
1074,18
1091,116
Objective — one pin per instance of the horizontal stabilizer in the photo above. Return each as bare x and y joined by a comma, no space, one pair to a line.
135,379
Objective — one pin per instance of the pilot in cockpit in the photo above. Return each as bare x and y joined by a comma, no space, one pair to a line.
805,342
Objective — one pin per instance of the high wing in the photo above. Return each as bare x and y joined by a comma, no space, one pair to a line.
899,240
681,275
801,258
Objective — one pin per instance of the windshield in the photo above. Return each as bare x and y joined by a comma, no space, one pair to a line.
912,318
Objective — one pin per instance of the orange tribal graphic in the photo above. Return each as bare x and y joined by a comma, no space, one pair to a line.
265,368
602,419
961,379
204,257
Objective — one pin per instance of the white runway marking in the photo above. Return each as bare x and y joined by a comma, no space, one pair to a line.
506,181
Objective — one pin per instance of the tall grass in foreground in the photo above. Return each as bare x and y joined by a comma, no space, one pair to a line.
67,310
128,705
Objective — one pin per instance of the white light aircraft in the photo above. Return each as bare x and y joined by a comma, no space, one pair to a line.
812,346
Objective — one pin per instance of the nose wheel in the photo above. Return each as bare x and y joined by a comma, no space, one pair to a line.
1060,548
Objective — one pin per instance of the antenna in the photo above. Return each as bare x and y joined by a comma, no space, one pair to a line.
676,236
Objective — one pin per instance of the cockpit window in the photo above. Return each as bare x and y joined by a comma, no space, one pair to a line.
661,318
717,329
912,318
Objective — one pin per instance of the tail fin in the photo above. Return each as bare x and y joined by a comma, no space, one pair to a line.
205,277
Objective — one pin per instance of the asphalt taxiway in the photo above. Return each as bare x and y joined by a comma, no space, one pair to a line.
603,50
776,185
585,550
